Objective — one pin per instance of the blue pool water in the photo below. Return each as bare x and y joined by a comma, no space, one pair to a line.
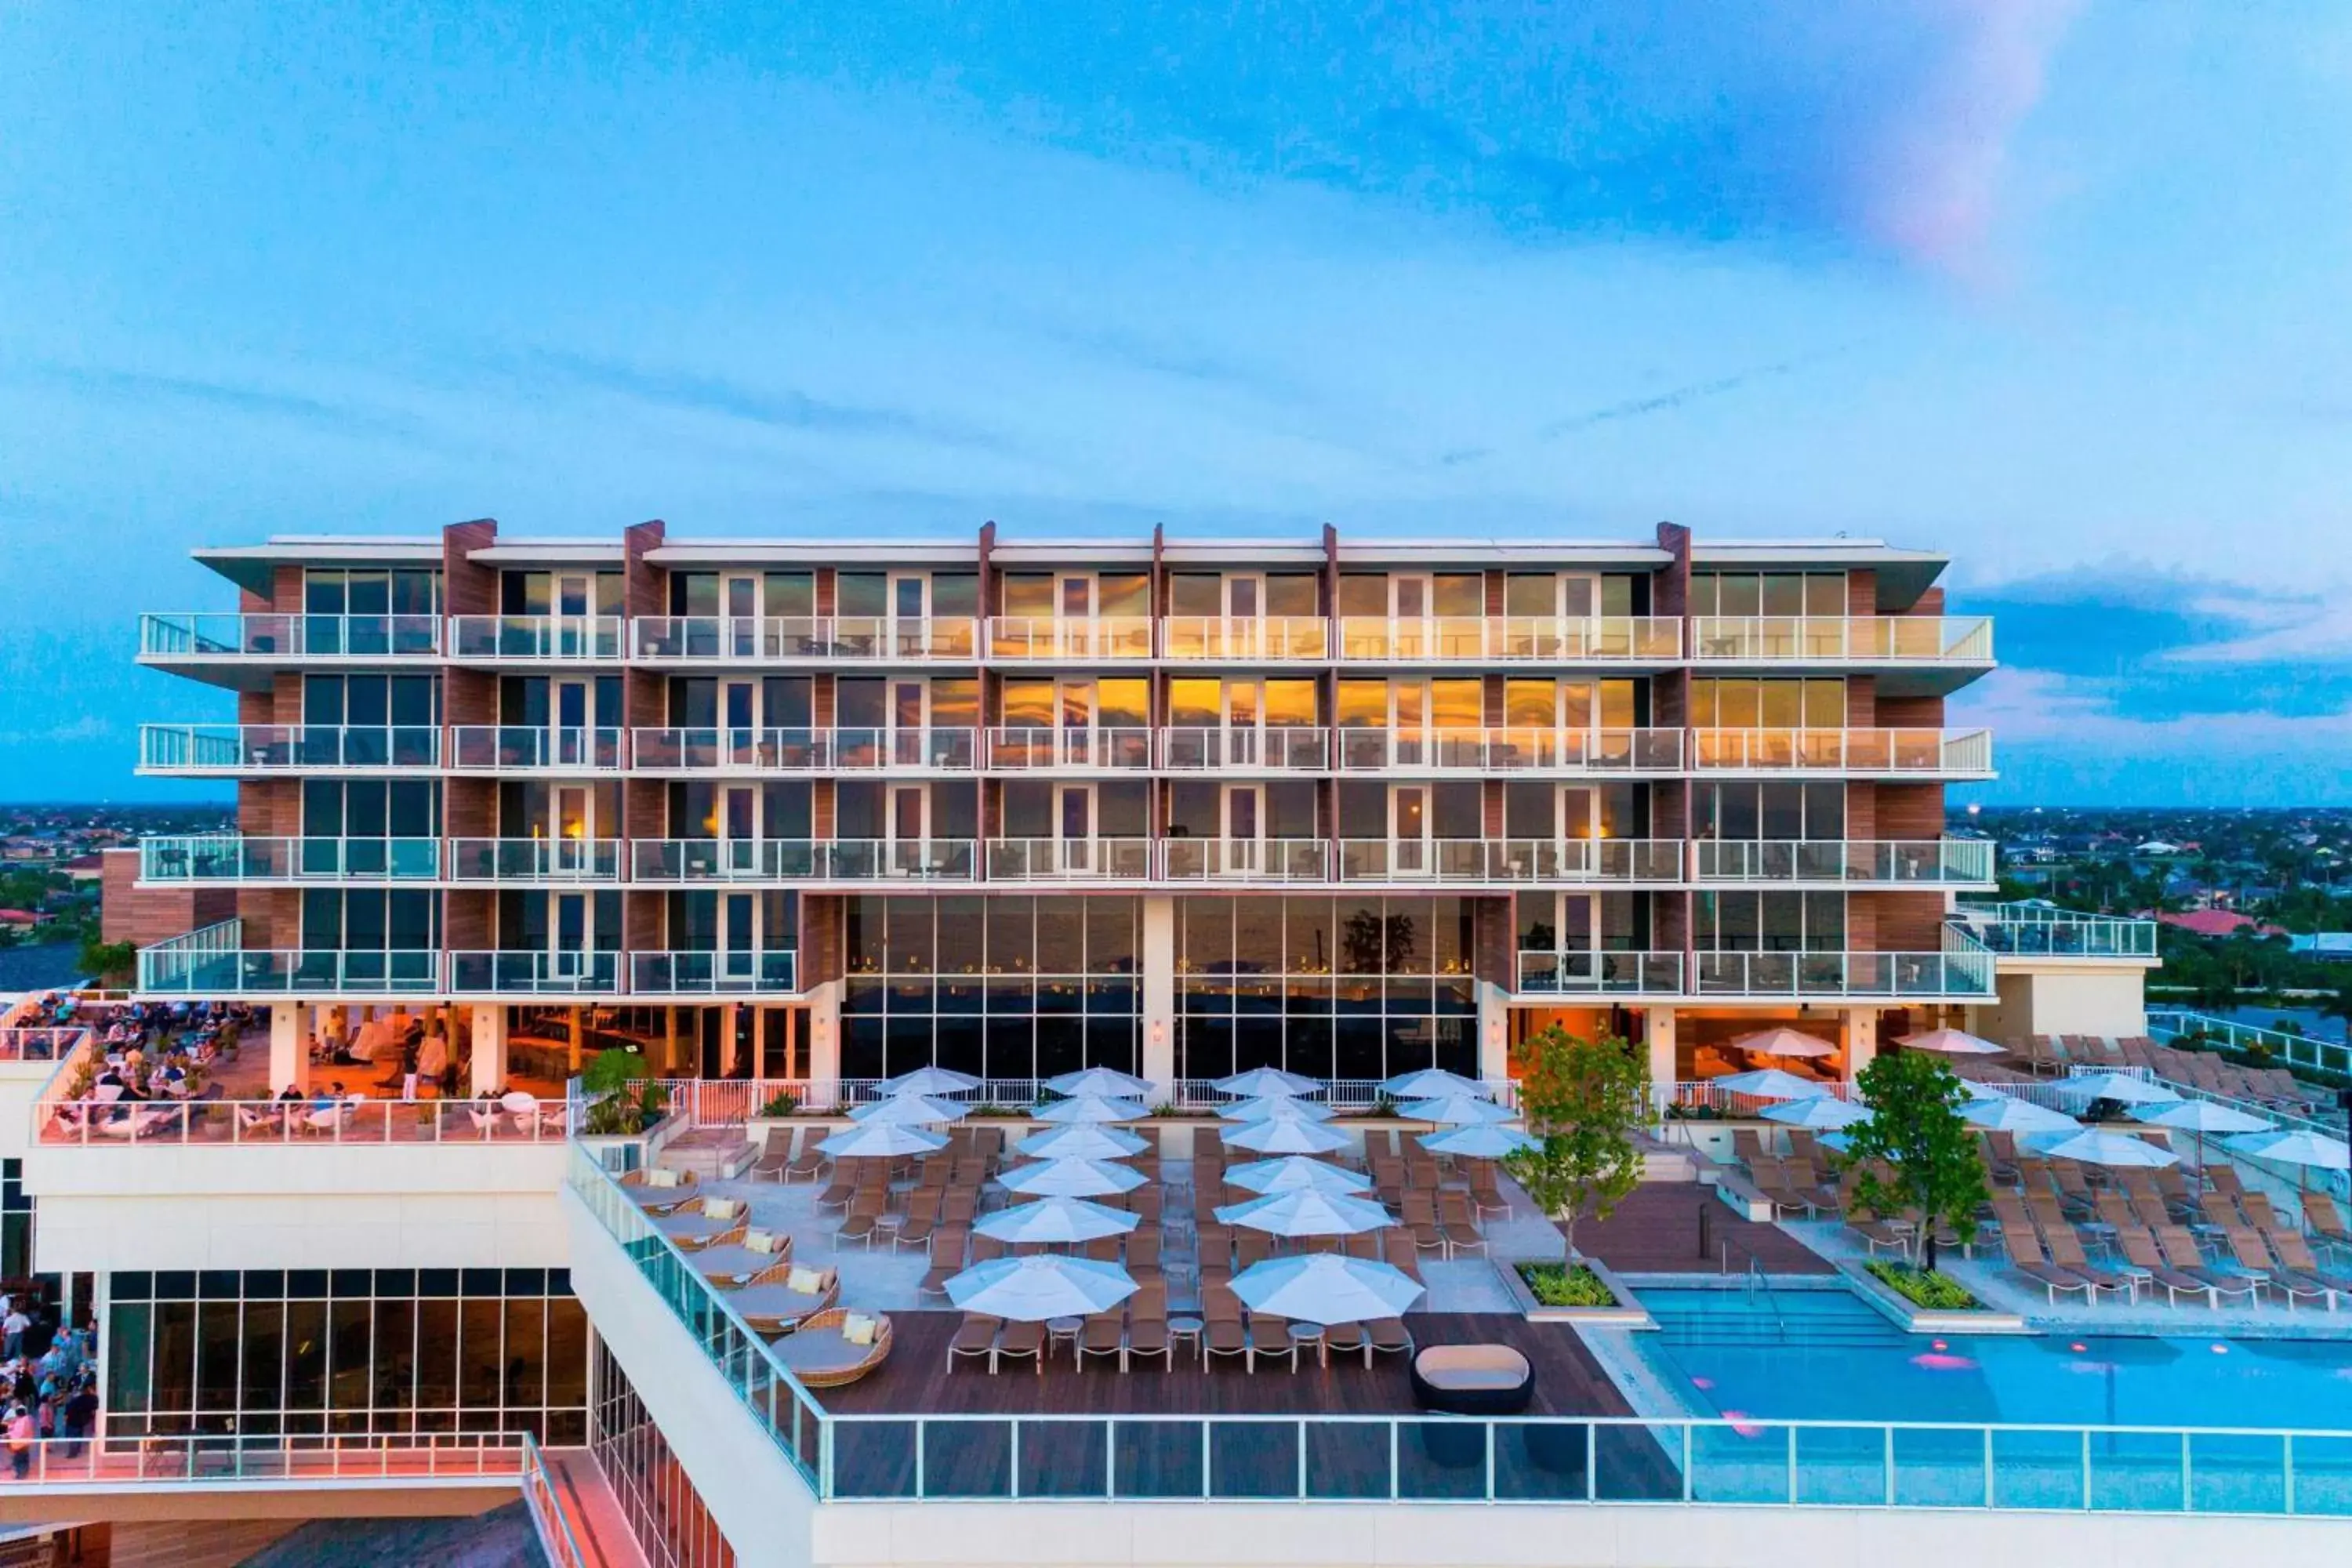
1827,1355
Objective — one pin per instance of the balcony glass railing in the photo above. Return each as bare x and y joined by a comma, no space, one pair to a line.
1834,639
1928,861
236,857
166,969
1021,748
1923,752
1245,749
554,638
728,860
530,748
529,972
1271,639
275,748
1245,859
1516,639
2029,929
272,635
1631,973
916,859
790,639
1069,859
1893,974
535,860
1513,861
1486,751
1043,637
710,974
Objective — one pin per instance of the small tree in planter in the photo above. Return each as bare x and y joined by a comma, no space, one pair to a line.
620,1099
1583,1101
1916,1130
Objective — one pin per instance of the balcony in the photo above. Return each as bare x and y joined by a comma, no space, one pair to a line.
1513,862
1585,971
536,639
534,972
702,861
703,750
802,639
565,861
1510,639
1075,748
732,972
1929,862
535,749
1246,860
1953,974
1235,639
1888,753
2027,930
1069,859
1508,751
212,963
1101,638
231,858
231,750
276,638
1841,640
1246,750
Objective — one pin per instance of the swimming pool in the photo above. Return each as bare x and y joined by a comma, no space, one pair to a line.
1827,1355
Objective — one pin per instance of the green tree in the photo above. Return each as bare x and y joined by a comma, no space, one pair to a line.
109,961
1916,1131
1583,1100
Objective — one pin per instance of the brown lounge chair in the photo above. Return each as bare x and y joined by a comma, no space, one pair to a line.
2065,1247
1020,1340
2255,1258
2139,1250
1459,1226
948,1246
1102,1335
2025,1255
2324,1219
2180,1249
975,1338
1146,1331
1270,1337
1388,1336
2295,1254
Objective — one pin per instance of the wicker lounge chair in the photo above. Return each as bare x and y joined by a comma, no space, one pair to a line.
737,1262
771,1305
715,1222
822,1355
659,1197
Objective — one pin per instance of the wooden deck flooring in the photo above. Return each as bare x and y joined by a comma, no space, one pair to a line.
1656,1231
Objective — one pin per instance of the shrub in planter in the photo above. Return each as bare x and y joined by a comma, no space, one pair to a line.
1566,1285
782,1103
1933,1292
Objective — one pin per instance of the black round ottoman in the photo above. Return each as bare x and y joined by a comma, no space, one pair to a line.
1473,1380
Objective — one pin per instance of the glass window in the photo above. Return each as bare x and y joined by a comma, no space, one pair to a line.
1364,593
1292,593
1459,593
863,594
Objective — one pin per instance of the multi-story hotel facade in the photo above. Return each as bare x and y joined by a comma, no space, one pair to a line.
812,811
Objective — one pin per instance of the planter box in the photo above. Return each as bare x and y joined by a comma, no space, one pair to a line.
1926,1321
1629,1312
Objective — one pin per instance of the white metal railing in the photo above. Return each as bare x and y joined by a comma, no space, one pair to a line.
794,638
534,748
1937,752
530,971
271,636
1055,638
1266,639
1508,750
238,857
538,639
1584,970
1245,749
313,1120
1023,748
1511,860
2293,1051
729,971
1069,859
1934,861
231,748
1837,639
1245,859
535,860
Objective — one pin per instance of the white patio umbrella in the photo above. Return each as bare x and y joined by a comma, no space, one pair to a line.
1072,1178
1430,1083
2199,1117
1285,1135
907,1110
1771,1083
1818,1112
2007,1113
1103,1083
1294,1172
1455,1111
1086,1107
930,1080
1784,1042
1307,1213
1265,1080
1033,1289
1323,1287
2121,1087
1837,1140
1950,1043
2292,1148
2092,1146
1276,1106
1086,1141
1055,1219
1488,1142
888,1139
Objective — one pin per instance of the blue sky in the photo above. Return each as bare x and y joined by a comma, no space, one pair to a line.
2060,288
